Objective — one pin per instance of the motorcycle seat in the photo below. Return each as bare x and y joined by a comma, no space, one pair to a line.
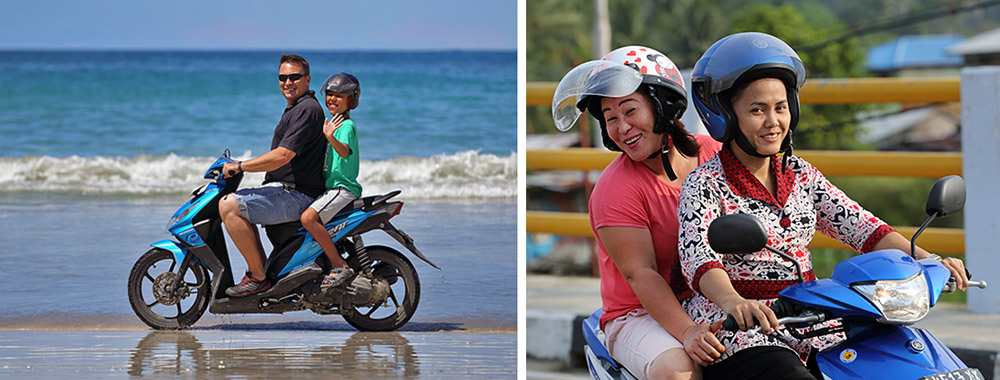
279,233
366,203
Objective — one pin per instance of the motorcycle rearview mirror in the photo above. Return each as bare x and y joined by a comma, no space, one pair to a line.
946,198
737,233
743,233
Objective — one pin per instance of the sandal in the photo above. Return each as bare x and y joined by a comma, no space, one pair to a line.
337,277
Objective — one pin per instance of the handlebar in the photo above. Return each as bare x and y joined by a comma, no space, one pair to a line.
951,288
805,318
979,284
779,307
786,313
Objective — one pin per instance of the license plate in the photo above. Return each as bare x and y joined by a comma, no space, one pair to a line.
962,374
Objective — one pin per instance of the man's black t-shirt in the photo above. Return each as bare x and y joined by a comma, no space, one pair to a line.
301,131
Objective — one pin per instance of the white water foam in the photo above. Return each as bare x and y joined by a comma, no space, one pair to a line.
462,175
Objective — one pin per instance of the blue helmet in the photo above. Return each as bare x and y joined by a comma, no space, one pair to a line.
733,61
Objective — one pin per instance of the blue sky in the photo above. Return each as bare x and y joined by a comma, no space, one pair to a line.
259,24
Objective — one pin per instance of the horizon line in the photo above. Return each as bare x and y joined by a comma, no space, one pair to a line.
246,50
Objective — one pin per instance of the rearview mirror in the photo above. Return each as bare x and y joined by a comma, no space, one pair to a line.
744,233
737,233
947,196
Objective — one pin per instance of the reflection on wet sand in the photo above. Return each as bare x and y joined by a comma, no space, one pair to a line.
258,350
362,355
327,326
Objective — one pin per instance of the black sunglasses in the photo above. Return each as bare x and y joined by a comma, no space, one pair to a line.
293,77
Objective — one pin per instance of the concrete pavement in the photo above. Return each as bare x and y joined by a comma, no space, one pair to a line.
556,305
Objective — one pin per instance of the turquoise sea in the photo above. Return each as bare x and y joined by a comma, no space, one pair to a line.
97,150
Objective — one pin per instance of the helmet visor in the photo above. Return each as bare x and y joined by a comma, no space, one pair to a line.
745,51
593,78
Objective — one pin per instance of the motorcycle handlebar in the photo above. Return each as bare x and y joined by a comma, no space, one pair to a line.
779,307
951,287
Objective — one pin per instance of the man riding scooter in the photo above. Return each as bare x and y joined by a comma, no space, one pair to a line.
293,180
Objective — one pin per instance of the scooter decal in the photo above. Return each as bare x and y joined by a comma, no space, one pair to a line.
847,356
336,229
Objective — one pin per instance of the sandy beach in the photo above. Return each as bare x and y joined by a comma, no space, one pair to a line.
465,326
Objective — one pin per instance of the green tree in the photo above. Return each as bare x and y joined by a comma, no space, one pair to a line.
558,38
559,34
681,29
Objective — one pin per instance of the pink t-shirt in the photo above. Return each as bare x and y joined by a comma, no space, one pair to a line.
628,194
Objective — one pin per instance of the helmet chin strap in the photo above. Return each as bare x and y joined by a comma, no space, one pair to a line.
786,147
664,157
664,125
666,161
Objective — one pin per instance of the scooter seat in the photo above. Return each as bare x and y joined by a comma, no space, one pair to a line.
595,338
368,202
279,233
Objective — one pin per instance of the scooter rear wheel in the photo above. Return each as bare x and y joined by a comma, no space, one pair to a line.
153,300
404,294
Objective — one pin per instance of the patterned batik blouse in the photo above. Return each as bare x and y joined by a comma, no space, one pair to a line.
806,202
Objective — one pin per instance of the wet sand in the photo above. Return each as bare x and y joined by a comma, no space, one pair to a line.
267,352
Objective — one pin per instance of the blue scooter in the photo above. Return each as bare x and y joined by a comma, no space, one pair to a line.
876,296
172,284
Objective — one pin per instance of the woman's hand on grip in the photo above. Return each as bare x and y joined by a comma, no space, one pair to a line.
745,311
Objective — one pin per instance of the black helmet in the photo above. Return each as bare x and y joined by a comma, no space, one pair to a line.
344,83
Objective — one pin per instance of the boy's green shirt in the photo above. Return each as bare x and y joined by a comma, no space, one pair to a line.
343,171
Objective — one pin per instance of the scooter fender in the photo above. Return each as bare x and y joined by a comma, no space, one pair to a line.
599,361
176,248
906,352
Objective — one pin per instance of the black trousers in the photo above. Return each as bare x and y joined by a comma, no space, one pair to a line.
763,363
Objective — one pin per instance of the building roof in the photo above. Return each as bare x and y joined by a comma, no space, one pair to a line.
914,52
984,43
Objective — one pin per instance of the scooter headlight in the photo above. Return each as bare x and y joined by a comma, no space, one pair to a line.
180,215
900,301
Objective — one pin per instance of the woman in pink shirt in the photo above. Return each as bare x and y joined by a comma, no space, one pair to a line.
637,95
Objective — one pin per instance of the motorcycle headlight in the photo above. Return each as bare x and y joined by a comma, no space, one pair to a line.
187,208
178,217
900,301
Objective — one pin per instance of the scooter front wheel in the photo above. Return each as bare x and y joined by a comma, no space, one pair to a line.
153,297
404,292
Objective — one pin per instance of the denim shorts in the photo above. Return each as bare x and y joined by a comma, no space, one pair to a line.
271,204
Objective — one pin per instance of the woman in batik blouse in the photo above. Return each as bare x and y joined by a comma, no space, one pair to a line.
745,89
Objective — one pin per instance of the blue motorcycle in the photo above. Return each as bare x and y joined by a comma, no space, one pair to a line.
173,283
876,296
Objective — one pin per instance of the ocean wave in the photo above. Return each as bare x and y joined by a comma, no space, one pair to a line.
468,174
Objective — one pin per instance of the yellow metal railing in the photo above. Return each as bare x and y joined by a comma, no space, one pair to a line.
831,163
831,91
939,240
